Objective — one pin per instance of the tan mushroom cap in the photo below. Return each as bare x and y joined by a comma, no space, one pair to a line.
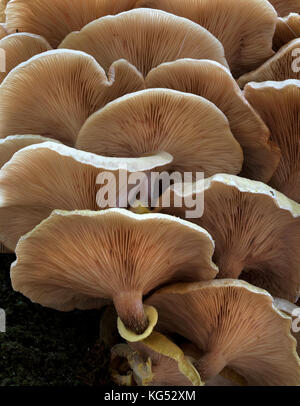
255,228
3,4
278,104
53,93
145,38
244,27
19,48
235,325
292,311
3,32
287,29
192,129
13,143
156,361
48,176
280,67
285,7
214,82
111,254
57,18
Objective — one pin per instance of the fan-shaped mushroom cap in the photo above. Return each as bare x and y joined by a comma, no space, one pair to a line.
111,254
278,104
19,48
292,311
256,230
244,27
287,29
282,66
145,38
13,143
57,18
156,361
192,129
48,176
52,94
285,7
214,82
235,325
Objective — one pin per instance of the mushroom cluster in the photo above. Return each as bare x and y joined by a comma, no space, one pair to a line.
100,103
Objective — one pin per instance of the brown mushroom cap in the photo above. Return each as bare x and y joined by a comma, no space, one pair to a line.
278,68
244,27
192,129
156,361
285,7
57,18
3,32
3,4
13,143
44,177
19,48
53,93
256,230
145,38
111,254
287,29
235,325
214,82
278,104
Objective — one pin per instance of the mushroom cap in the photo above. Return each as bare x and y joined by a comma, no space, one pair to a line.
287,29
19,48
110,254
167,364
145,38
57,18
12,144
53,93
292,311
278,104
3,4
285,7
3,32
261,158
235,325
277,68
48,176
244,27
192,129
255,228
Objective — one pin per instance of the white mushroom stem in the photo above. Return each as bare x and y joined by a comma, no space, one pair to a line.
210,365
130,309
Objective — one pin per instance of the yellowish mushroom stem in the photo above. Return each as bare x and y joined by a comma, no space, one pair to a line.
210,365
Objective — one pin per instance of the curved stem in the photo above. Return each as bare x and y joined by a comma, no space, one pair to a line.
130,309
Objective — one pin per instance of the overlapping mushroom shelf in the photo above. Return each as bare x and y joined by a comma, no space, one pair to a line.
126,88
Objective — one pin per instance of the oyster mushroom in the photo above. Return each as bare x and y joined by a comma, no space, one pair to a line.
278,104
192,129
292,311
282,66
244,27
214,82
285,7
77,259
155,361
255,228
48,176
145,38
3,32
53,93
57,18
287,29
234,324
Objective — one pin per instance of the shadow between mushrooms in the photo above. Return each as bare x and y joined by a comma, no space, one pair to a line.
255,228
155,361
190,128
53,93
48,176
234,324
214,82
74,259
278,104
244,27
145,38
57,18
285,7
